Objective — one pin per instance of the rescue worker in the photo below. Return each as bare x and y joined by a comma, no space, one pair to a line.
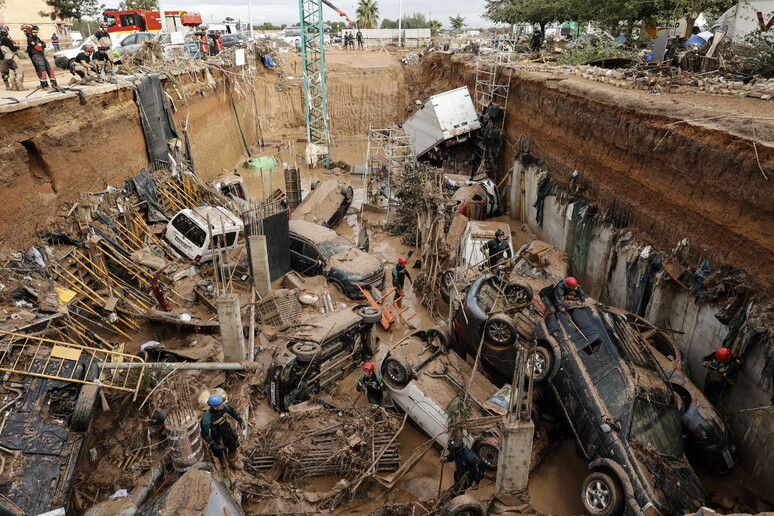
722,370
497,249
217,43
219,434
359,36
399,275
373,385
537,36
84,67
468,467
101,57
10,69
204,46
554,296
35,49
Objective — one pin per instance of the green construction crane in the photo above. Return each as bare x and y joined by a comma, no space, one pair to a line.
315,91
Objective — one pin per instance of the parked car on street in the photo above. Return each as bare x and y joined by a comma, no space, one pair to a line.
315,250
622,411
134,42
709,442
316,352
425,380
499,312
326,204
232,40
65,58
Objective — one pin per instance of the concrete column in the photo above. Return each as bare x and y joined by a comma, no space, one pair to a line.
259,264
514,459
514,208
230,318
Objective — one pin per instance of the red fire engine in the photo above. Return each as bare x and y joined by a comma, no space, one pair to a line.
134,20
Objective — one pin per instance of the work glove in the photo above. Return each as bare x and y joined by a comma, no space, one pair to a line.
359,388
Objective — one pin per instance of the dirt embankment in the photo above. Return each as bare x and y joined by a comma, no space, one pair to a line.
679,165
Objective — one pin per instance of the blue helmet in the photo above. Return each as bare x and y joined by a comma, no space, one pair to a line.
215,400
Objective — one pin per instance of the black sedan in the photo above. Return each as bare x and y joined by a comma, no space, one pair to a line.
623,413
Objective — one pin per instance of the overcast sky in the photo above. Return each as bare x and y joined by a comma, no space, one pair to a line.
286,11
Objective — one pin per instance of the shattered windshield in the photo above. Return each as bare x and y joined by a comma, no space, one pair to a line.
335,246
657,426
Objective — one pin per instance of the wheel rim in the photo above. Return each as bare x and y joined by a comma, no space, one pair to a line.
536,365
305,347
499,332
517,295
396,372
597,496
489,455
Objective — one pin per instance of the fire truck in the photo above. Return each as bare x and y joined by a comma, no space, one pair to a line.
135,20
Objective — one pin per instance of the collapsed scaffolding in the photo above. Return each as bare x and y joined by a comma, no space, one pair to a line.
389,151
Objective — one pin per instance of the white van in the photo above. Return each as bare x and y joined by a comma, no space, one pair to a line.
476,235
188,234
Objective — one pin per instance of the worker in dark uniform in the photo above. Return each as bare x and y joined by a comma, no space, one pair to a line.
204,45
722,370
10,69
84,67
55,42
216,44
35,49
469,468
359,37
373,385
537,37
101,57
554,296
219,434
399,275
497,249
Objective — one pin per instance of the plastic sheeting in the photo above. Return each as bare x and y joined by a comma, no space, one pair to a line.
157,123
147,190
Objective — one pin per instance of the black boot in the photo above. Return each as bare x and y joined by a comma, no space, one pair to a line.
7,84
43,84
54,84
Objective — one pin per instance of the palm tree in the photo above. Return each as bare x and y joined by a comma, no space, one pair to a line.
367,14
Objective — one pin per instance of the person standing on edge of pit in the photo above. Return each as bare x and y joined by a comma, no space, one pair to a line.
553,296
359,40
373,385
13,76
722,370
497,249
204,46
55,42
399,275
536,38
219,434
468,467
101,57
35,49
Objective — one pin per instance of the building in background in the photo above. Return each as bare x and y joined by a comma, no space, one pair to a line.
15,13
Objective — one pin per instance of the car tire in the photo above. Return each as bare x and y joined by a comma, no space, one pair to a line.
518,294
440,335
83,412
487,448
500,330
305,351
464,505
397,371
370,314
543,361
602,495
445,284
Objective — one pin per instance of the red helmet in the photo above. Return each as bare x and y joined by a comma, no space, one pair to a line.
570,282
368,367
402,260
103,25
88,48
723,354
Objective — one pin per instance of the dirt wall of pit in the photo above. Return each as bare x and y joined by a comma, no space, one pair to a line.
55,150
673,167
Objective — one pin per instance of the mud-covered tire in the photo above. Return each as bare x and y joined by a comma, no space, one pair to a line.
464,505
500,330
445,280
487,448
370,314
602,495
305,351
517,294
397,371
83,413
542,361
440,336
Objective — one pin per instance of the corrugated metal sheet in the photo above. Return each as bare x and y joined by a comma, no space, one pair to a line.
443,116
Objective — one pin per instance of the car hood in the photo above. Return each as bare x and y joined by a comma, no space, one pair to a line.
355,262
672,481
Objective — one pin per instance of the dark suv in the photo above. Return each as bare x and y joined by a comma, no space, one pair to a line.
316,352
622,411
315,249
